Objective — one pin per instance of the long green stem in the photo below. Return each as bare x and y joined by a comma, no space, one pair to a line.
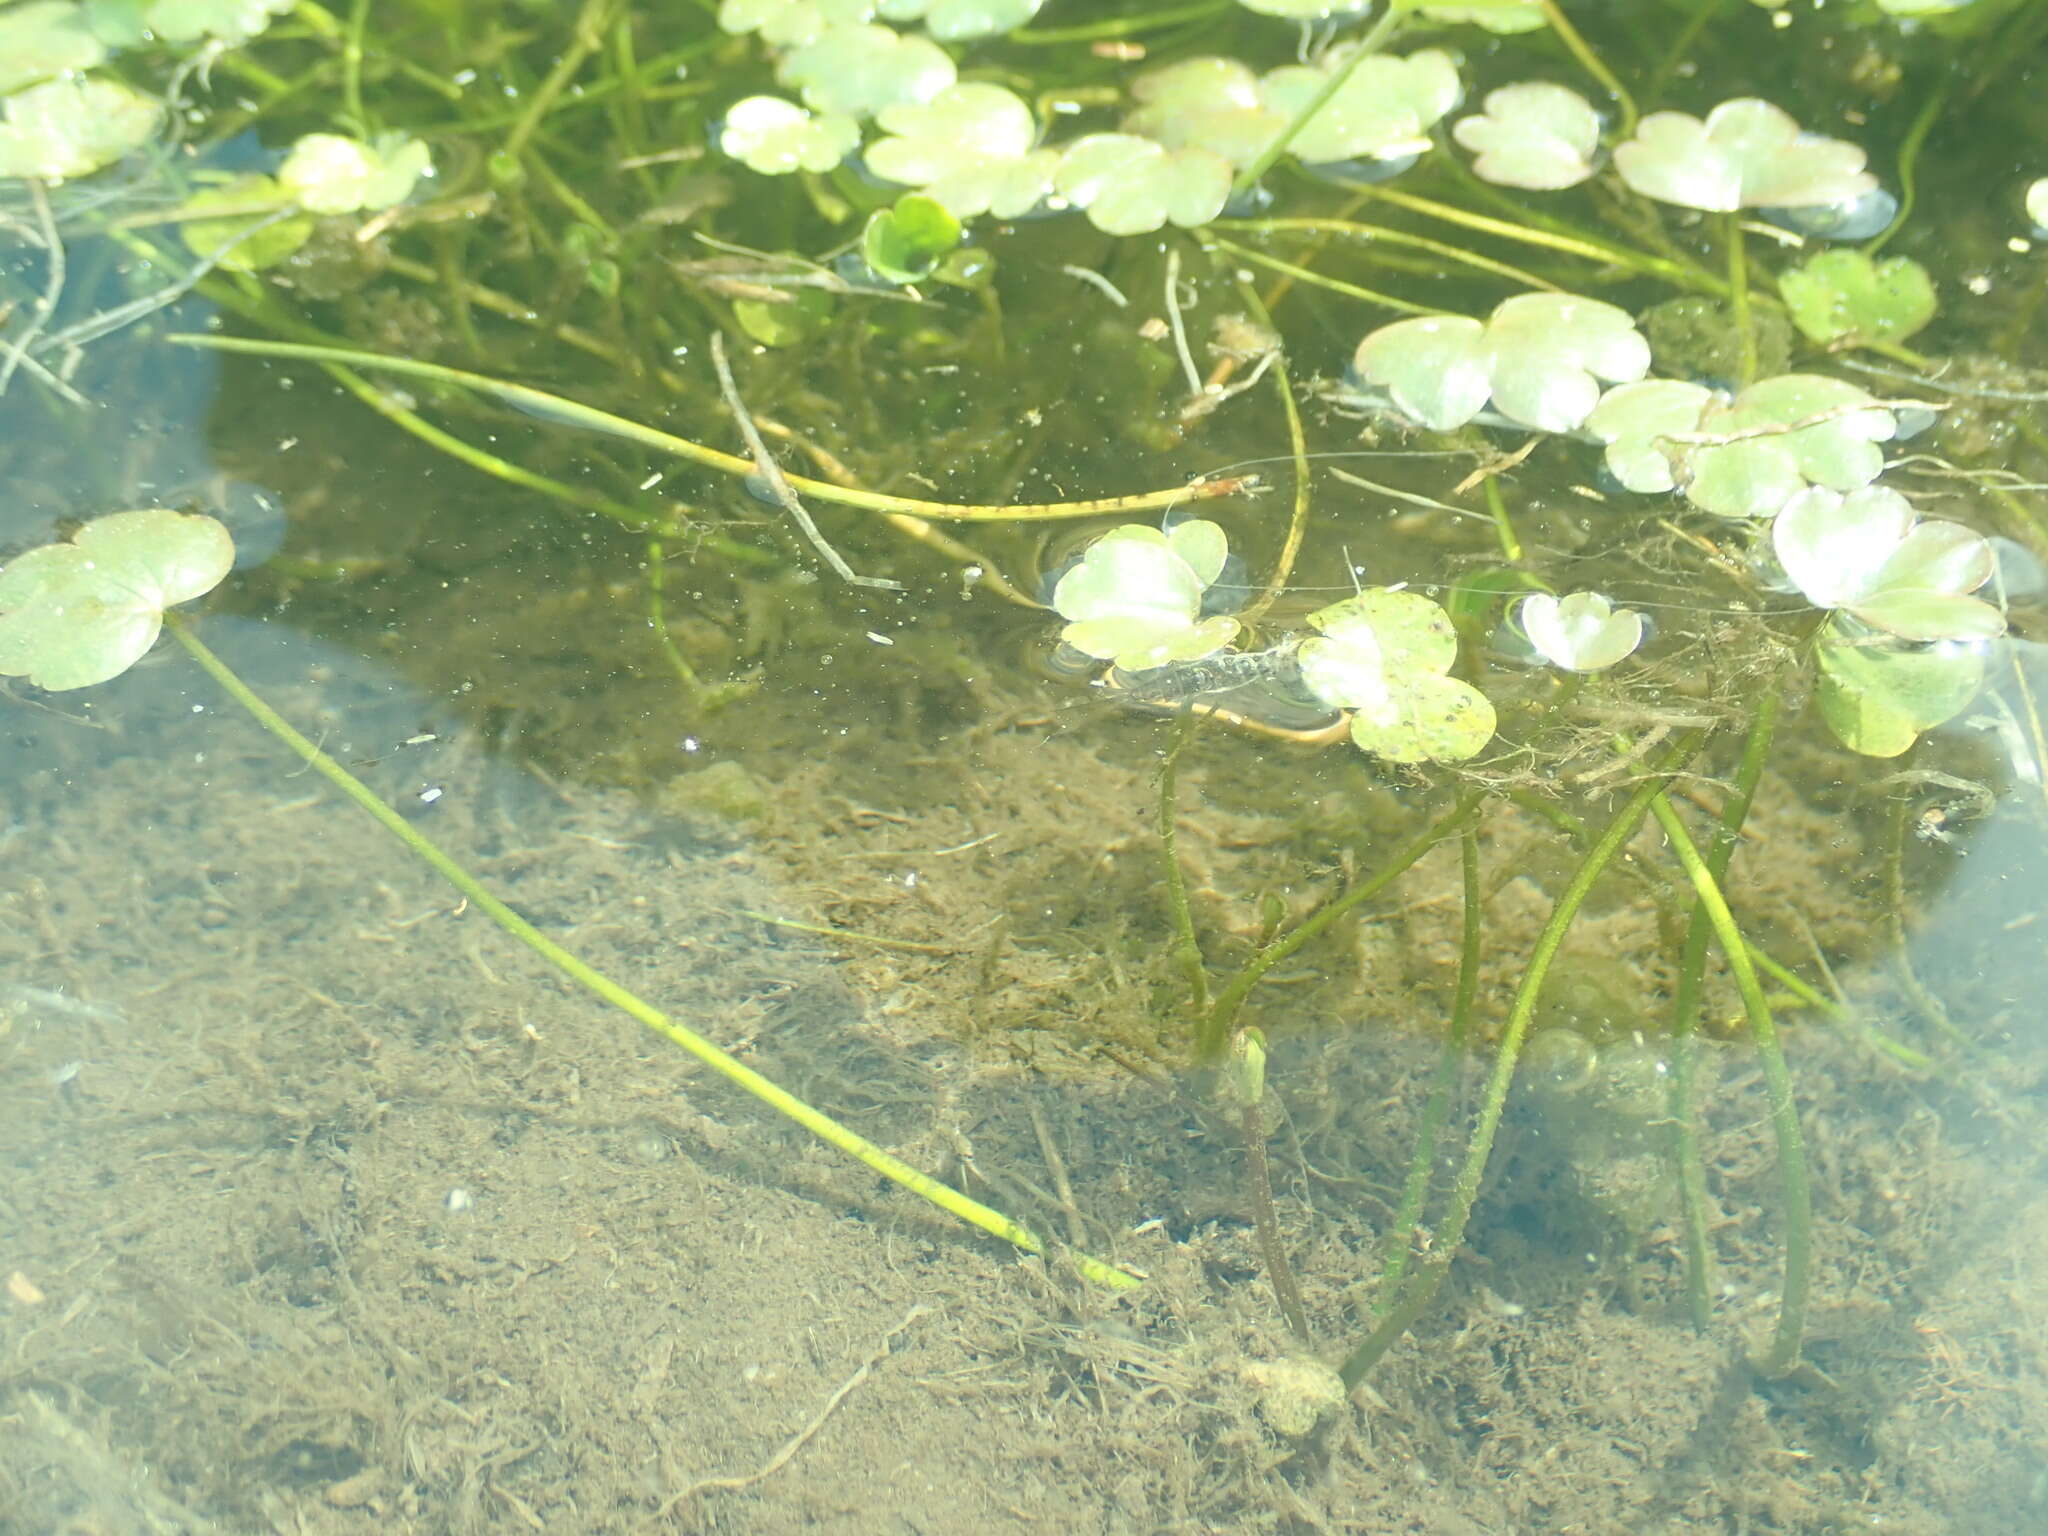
1187,948
1376,37
1415,1191
1792,1177
592,980
1685,1011
1738,298
571,413
1450,1233
1215,1030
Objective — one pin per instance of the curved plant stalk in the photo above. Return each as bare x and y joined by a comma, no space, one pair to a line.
1738,298
1685,276
1783,1356
1376,38
1685,1013
1315,279
1450,1232
1415,1191
1593,65
1245,1082
1187,948
594,981
1376,234
569,413
1297,447
1214,1030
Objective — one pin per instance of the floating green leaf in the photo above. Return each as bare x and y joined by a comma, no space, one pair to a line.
787,322
1131,186
235,223
775,137
904,243
329,173
954,21
76,614
788,23
1383,655
72,127
1843,298
1535,134
971,147
857,71
1865,554
1539,358
1580,633
1877,699
1135,598
1745,154
42,39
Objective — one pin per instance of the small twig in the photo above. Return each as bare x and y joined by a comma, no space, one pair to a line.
53,283
797,1441
771,472
1095,279
1180,330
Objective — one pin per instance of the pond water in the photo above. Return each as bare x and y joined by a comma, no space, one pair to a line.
327,1205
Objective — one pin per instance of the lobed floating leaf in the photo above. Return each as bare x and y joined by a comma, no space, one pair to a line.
1877,699
1383,654
1535,135
1135,598
1844,299
1580,633
1539,359
1867,555
76,614
72,127
1745,154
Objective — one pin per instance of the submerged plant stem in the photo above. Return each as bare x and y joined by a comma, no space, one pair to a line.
1783,1355
1187,949
1685,1011
1415,1192
1297,447
1593,64
1376,38
1215,1030
1738,298
570,413
1450,1233
592,980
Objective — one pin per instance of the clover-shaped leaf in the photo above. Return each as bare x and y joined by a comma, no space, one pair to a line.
857,71
1754,453
1385,107
72,127
1746,154
791,23
1843,298
235,224
1865,554
42,39
955,21
1205,103
1580,633
970,148
1135,597
1638,421
1877,699
1539,358
76,614
1503,17
1384,655
775,137
327,173
229,21
902,244
1535,134
1131,185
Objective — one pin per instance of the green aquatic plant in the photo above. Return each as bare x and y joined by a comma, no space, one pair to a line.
77,614
1526,348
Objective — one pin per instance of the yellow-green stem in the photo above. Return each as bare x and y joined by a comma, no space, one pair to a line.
592,980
